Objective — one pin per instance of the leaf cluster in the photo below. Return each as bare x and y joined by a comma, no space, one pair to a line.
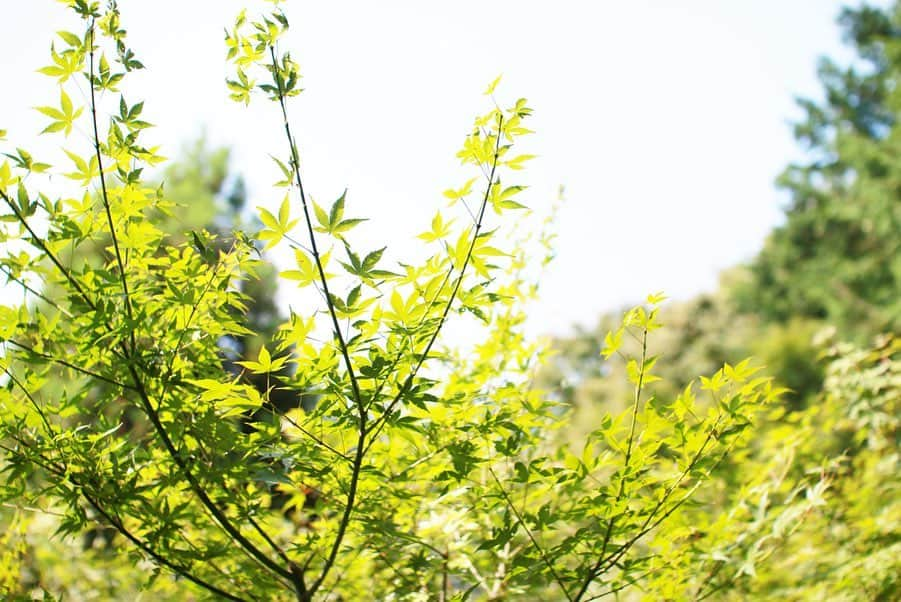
419,471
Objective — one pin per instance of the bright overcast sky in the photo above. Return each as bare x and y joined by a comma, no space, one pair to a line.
665,121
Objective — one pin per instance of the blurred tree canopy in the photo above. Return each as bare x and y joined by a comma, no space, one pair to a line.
837,257
836,261
208,195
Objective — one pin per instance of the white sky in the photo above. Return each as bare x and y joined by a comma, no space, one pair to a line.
666,121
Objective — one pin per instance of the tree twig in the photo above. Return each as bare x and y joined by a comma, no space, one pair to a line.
525,527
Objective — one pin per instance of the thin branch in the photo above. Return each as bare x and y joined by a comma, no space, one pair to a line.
200,552
39,243
35,292
276,74
34,509
328,594
380,422
594,571
703,593
268,406
356,469
167,379
31,399
275,547
397,357
157,557
618,588
71,366
650,523
66,475
167,382
105,196
445,576
342,343
217,513
522,523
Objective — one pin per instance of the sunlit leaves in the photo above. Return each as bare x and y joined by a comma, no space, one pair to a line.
440,229
460,251
307,272
287,75
295,331
85,171
462,191
25,205
612,342
714,383
128,115
502,199
478,149
276,227
287,172
439,462
141,234
264,363
228,398
8,322
106,78
24,160
640,373
353,305
63,116
404,310
483,253
249,45
513,125
6,177
492,86
365,267
519,161
65,64
116,319
648,483
241,87
333,222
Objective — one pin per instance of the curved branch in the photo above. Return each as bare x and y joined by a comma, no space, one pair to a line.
380,422
295,162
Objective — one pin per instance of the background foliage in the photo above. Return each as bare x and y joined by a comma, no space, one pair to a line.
819,306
